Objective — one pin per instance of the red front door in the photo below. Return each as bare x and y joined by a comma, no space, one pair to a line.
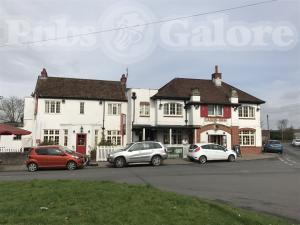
81,143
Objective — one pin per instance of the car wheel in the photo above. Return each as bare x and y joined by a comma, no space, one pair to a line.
119,162
32,167
156,160
71,165
202,159
231,158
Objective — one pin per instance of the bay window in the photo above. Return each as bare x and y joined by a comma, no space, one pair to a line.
247,138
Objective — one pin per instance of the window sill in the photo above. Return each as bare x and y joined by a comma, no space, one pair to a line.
144,116
217,117
246,118
179,116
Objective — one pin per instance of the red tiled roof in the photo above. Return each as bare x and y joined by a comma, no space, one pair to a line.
72,88
180,88
10,130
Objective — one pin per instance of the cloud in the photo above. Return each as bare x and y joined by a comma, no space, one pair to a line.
273,76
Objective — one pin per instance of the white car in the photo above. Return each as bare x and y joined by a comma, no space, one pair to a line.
208,151
296,142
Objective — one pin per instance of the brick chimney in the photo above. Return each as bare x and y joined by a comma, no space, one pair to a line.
123,80
217,77
44,74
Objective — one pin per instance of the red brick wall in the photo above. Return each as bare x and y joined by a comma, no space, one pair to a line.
250,150
235,138
198,135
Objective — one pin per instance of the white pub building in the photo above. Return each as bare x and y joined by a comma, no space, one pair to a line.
77,112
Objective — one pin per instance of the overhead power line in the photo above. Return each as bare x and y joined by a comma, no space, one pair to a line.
142,25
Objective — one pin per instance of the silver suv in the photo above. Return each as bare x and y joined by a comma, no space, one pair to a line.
139,152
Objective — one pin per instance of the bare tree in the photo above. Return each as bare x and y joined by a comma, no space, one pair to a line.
12,109
282,126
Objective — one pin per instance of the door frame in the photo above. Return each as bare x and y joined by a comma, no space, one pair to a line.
77,145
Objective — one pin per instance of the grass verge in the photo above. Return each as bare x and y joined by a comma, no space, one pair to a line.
105,203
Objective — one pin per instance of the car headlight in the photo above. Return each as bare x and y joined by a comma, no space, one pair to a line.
75,157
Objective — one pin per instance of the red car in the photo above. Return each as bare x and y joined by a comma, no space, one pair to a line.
54,157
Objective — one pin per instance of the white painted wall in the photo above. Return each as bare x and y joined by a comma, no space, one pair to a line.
70,118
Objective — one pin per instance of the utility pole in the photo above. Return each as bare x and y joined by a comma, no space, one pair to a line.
268,126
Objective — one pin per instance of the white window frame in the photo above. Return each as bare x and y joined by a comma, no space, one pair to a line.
81,108
114,136
66,133
97,137
247,138
173,109
114,109
51,135
245,111
52,107
216,109
145,109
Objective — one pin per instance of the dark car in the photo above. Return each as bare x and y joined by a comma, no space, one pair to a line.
273,146
54,157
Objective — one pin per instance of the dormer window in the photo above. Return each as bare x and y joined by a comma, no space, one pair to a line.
172,109
215,110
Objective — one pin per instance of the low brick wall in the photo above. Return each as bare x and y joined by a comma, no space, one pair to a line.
251,150
12,158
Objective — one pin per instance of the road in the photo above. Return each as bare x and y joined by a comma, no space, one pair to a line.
271,186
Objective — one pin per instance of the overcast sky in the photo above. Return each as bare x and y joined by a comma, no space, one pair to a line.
267,68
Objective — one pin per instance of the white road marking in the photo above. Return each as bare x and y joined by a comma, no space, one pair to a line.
292,161
287,161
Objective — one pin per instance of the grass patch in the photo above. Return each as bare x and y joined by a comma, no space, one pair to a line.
105,203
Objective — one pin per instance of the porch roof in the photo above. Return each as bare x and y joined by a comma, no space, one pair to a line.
140,126
10,130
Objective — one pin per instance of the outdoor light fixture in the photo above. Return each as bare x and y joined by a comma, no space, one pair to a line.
196,106
63,101
81,129
100,102
133,96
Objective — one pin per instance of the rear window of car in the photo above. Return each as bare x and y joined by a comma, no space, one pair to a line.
274,142
155,145
193,146
297,140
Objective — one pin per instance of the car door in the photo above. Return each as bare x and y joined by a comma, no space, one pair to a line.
133,154
208,151
146,152
41,157
56,157
220,153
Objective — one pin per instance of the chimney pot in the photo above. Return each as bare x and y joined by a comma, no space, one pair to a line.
217,77
123,80
44,74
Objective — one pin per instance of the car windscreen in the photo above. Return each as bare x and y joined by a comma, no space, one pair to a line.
67,150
